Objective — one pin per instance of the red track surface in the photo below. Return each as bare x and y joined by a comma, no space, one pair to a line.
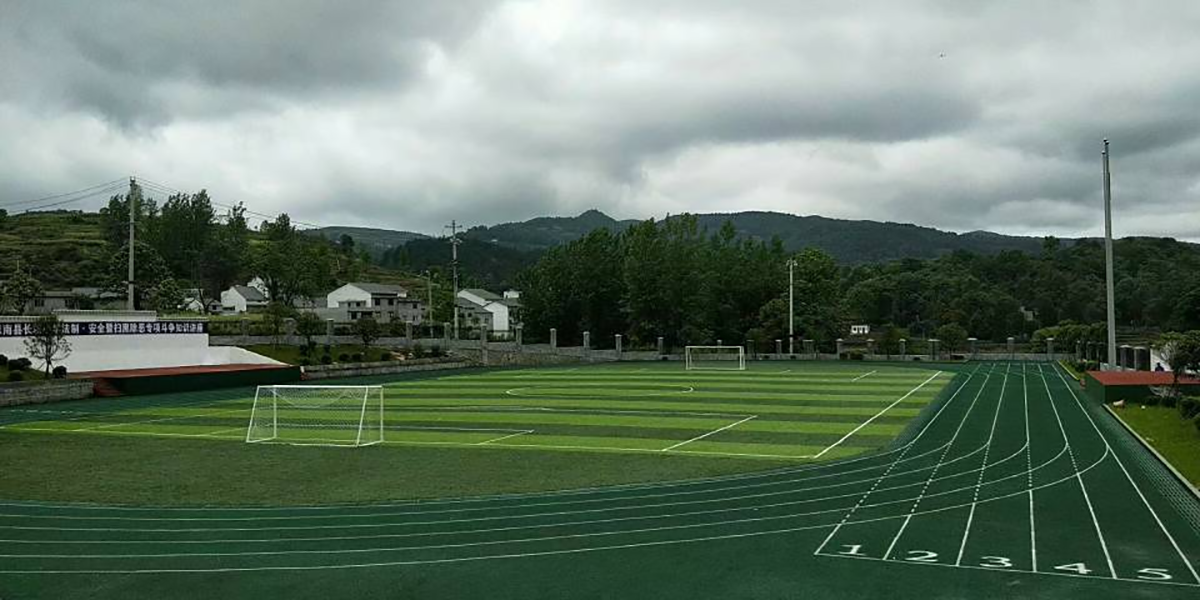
1140,378
187,370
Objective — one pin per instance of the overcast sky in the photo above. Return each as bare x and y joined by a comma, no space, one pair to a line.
954,114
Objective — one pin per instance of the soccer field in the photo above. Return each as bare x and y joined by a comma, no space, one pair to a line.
1008,485
774,411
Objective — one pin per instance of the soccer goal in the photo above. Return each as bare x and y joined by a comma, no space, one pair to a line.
317,415
715,358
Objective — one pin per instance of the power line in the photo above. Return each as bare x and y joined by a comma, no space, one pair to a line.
170,190
99,192
105,185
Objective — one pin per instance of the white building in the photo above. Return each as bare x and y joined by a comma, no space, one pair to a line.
243,298
504,310
384,303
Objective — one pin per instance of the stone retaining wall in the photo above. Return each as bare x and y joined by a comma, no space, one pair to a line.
383,368
39,392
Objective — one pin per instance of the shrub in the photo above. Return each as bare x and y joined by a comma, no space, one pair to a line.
1189,407
16,376
326,359
356,357
856,355
1151,400
343,357
3,359
60,372
1196,422
16,364
25,362
305,362
1169,401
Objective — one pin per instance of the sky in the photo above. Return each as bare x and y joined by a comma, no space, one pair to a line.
407,114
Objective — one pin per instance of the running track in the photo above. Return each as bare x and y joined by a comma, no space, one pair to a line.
1014,486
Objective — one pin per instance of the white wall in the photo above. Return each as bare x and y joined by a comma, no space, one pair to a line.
133,351
232,300
347,293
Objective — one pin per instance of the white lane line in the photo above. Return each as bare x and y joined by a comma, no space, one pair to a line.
504,437
1112,570
715,431
877,415
962,547
1136,488
932,475
1029,470
892,466
864,375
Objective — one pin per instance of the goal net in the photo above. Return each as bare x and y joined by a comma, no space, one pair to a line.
319,415
715,358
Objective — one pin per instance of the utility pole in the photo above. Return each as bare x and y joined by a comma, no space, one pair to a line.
454,242
1108,259
131,204
791,265
429,285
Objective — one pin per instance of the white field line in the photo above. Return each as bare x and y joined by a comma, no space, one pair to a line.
962,547
1029,471
877,415
504,437
1112,570
1136,488
892,466
212,434
941,459
131,423
702,436
864,375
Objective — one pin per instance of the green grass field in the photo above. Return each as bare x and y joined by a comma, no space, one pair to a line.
620,423
1007,482
1176,439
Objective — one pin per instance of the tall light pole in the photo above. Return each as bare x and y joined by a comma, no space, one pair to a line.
791,265
454,242
429,285
131,205
1108,258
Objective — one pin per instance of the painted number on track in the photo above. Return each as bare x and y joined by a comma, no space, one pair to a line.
924,556
1079,568
852,550
996,562
1151,574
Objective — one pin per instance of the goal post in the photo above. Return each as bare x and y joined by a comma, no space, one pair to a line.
317,415
715,358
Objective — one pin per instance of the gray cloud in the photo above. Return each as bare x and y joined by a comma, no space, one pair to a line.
407,114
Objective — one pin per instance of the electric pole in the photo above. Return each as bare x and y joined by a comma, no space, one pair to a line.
1108,259
429,285
454,242
791,265
131,204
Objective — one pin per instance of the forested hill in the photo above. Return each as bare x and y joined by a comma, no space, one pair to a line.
849,242
374,241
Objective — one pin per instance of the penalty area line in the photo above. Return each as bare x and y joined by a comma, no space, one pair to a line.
877,415
864,375
704,435
504,437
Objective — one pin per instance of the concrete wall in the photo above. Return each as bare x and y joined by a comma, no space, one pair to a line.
382,368
38,392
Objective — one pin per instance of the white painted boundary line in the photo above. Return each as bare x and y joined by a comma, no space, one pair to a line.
1136,488
718,430
132,423
877,415
864,375
504,437
1029,470
962,547
1112,570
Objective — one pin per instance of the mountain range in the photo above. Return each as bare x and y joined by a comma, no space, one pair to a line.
850,242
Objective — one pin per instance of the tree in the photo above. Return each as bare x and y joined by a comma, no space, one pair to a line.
952,336
19,291
276,315
309,326
47,341
149,271
165,296
1181,351
368,331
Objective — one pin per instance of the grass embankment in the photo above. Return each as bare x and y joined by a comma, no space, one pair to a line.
26,375
1176,439
292,354
127,470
